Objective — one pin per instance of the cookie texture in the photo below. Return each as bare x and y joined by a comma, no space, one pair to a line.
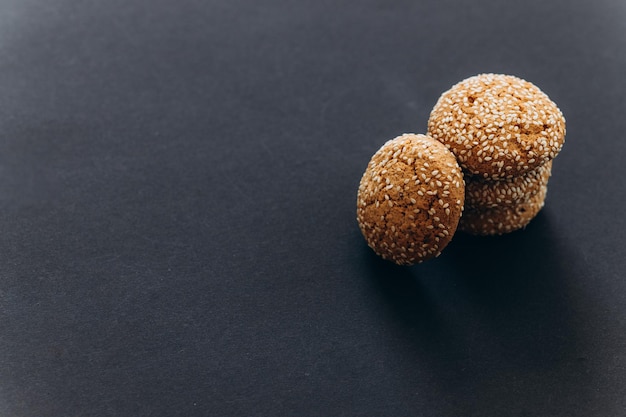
498,126
481,193
410,199
502,219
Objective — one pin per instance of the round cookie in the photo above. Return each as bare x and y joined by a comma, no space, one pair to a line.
410,199
498,126
481,193
504,219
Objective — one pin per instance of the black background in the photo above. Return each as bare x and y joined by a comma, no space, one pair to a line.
177,212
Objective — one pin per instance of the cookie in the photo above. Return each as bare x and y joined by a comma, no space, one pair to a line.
498,126
503,219
481,193
410,199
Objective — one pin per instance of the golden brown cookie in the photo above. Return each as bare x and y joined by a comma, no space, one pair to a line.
410,199
503,219
482,193
498,126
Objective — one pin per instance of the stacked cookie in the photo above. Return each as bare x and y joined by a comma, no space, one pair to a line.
483,168
504,133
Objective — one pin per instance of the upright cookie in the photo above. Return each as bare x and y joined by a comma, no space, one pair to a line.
482,193
410,199
498,126
503,219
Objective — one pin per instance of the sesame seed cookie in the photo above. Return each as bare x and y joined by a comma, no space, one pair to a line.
503,219
410,199
481,193
498,126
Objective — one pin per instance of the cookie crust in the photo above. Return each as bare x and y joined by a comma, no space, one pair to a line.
481,193
504,219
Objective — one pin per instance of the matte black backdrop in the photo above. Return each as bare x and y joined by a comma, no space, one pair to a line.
177,212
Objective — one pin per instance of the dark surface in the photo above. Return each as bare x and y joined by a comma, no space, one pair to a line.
178,234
